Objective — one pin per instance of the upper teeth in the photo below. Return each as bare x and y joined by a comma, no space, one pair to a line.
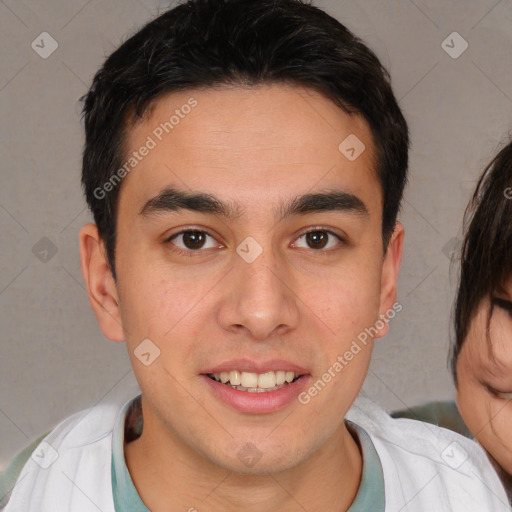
255,380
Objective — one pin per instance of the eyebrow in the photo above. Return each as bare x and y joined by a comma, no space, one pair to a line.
172,199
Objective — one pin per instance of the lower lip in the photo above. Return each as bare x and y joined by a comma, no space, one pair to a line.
265,402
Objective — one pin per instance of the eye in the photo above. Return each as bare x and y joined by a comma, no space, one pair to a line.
504,395
188,241
318,238
503,304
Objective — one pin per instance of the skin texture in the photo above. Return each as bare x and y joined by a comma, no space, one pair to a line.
257,147
485,381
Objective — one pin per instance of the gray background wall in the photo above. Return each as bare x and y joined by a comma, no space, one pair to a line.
54,359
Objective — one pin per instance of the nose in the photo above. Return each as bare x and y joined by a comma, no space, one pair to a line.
259,300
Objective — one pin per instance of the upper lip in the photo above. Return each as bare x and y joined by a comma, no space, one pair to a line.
246,365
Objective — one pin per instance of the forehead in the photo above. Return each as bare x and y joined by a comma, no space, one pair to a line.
257,143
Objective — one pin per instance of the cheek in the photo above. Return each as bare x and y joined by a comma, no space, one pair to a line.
494,434
489,419
501,421
349,301
346,312
166,312
472,400
157,302
474,409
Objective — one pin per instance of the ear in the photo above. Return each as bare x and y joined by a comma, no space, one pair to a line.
99,282
389,277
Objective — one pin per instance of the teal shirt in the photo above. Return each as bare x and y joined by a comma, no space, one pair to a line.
370,496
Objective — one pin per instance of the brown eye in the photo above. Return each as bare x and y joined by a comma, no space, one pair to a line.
320,239
317,239
193,239
189,241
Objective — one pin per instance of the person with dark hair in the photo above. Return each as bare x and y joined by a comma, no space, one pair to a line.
245,162
481,355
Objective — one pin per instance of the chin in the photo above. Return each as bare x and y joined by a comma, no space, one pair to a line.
259,459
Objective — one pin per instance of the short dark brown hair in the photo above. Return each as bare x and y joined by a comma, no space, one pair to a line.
204,43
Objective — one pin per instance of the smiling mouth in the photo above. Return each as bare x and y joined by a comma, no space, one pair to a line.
255,382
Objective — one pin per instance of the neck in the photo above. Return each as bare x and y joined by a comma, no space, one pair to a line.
506,478
166,471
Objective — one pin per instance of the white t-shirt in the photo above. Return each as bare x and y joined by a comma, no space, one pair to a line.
425,468
429,468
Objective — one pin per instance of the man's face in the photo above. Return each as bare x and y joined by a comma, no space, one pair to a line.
484,374
253,293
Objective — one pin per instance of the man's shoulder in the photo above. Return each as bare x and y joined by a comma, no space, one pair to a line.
412,436
11,473
62,446
422,462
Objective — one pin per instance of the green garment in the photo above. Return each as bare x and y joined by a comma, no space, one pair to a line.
442,414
